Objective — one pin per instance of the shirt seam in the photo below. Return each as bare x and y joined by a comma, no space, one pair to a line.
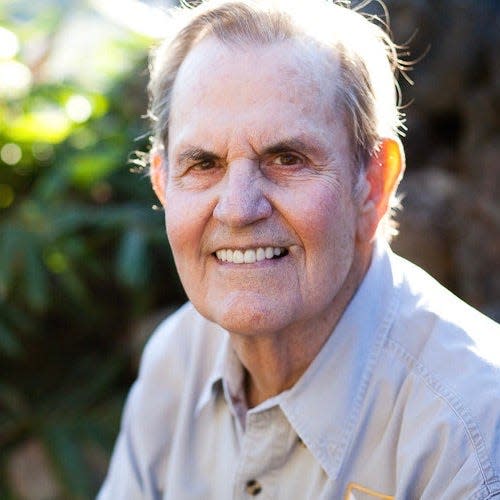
454,402
488,491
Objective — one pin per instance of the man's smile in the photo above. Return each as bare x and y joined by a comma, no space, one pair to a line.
250,255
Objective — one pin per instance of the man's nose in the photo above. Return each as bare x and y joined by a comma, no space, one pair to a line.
242,199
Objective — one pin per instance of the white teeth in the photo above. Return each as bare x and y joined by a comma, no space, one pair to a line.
238,257
248,256
269,252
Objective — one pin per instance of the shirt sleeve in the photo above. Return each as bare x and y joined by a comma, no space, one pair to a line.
123,479
139,461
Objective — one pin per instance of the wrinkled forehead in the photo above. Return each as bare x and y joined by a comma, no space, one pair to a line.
311,67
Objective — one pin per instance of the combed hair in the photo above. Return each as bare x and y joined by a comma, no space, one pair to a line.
366,87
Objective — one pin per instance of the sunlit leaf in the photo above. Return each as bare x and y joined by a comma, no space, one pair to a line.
100,104
88,168
51,126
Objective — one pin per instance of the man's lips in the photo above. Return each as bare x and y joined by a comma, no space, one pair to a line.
250,255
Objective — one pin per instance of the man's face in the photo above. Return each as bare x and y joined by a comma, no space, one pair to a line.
259,164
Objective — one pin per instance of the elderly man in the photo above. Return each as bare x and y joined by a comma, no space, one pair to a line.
311,362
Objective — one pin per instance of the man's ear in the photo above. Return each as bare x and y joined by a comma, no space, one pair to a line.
158,173
381,178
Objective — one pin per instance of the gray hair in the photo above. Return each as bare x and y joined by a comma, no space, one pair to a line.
367,91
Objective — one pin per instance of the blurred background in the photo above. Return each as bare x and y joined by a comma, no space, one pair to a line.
85,269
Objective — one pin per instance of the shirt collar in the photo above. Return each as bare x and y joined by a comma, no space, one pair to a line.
216,375
227,373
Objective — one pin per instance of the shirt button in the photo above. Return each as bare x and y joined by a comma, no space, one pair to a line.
253,487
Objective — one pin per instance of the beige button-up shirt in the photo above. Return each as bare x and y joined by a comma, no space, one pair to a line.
402,402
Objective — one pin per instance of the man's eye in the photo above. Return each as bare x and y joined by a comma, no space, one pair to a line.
287,159
204,165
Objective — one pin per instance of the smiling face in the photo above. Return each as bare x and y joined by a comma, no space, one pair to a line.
258,188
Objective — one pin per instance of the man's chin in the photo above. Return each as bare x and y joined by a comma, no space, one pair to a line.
247,315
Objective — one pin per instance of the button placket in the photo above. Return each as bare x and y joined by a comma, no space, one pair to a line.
252,463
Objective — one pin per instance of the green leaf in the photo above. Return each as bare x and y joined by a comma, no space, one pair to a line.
15,318
12,399
9,344
70,218
87,169
35,279
102,430
9,245
77,395
73,286
51,185
132,262
66,453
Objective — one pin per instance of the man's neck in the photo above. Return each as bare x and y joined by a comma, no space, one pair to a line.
274,362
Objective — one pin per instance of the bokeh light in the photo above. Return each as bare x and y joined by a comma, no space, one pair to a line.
56,261
9,44
15,79
11,153
42,152
78,108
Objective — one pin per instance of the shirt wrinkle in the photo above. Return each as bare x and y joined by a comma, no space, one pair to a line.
346,420
457,407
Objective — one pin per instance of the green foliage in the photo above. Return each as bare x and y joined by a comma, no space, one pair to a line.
79,245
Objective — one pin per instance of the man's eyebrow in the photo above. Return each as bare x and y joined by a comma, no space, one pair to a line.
292,144
194,153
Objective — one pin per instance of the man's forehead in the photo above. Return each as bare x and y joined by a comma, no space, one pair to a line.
212,58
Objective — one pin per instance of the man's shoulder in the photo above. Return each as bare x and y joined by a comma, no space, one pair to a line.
444,340
433,325
444,356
